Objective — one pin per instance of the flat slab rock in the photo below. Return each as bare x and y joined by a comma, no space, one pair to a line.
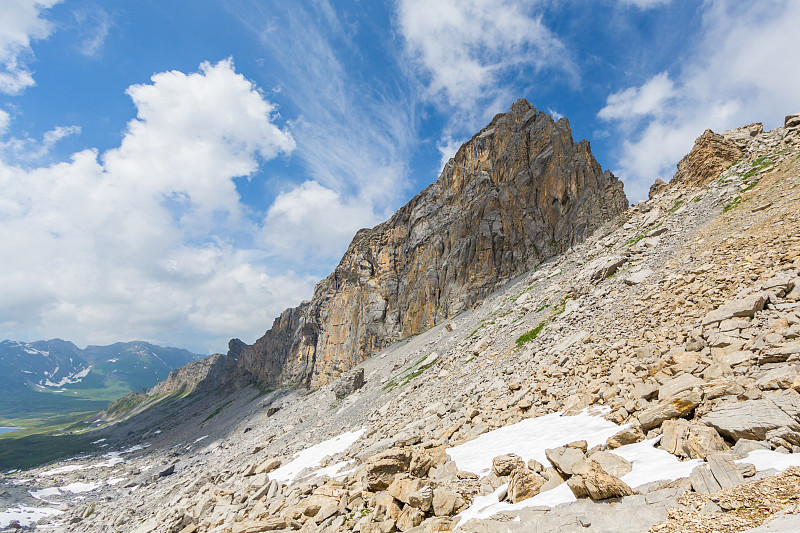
755,419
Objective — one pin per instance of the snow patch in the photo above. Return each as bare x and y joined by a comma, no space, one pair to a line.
311,457
26,516
766,459
530,438
44,493
79,486
61,470
72,378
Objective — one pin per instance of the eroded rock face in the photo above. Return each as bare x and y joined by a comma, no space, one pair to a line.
712,153
518,192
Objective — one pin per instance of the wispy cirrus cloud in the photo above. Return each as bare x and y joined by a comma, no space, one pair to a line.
721,84
94,25
354,135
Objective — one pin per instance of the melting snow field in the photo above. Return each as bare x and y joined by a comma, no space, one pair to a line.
311,457
530,438
26,516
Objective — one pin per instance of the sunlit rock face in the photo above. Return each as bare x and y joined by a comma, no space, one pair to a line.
520,191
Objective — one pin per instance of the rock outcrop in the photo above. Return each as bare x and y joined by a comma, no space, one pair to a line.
712,153
520,191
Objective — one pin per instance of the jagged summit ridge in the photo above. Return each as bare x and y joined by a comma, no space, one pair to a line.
520,191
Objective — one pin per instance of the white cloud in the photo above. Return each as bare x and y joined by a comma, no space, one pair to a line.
448,147
5,120
645,4
353,136
464,46
555,114
735,75
311,221
20,24
648,99
133,243
95,25
27,149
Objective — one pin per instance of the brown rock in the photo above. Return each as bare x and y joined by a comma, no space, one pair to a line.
679,406
626,436
503,465
409,517
690,439
381,469
589,479
524,484
564,458
711,155
413,491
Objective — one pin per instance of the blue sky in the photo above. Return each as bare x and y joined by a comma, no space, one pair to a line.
181,172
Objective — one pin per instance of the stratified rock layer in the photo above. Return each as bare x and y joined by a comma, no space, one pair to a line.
518,192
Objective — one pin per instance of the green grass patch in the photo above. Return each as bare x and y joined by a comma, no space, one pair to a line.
634,240
732,205
758,165
697,199
542,307
217,411
750,187
409,373
677,205
532,334
561,306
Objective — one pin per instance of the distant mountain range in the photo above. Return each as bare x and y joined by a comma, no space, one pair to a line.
52,378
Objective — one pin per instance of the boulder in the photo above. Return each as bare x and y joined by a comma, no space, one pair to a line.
380,471
782,377
678,384
756,419
742,307
564,458
589,479
348,383
612,463
446,503
690,439
679,406
409,518
719,473
638,277
268,466
626,436
384,503
413,491
523,484
503,465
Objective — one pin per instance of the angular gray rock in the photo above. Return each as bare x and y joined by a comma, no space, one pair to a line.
755,419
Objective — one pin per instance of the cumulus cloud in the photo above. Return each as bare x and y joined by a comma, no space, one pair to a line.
128,243
734,75
20,24
316,219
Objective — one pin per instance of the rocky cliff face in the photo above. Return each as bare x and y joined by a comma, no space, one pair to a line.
520,191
